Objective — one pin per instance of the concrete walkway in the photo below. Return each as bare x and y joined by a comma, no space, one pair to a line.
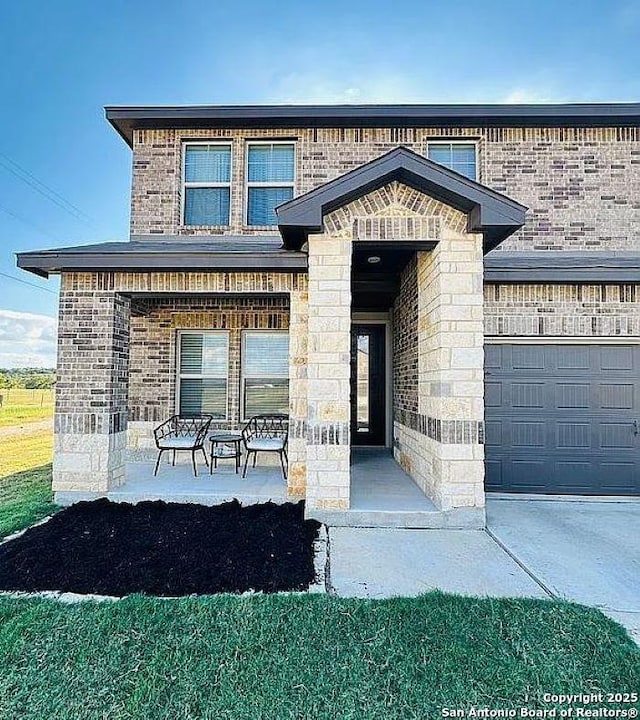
587,552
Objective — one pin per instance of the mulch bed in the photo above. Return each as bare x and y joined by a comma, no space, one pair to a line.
164,549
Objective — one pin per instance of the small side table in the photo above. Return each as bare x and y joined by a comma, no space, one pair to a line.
225,446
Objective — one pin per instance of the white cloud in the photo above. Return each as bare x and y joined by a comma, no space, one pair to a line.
375,87
27,340
522,95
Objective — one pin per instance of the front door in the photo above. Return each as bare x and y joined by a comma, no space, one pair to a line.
368,385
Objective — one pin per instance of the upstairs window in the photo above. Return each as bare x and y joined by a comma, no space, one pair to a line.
207,183
203,368
460,157
270,179
265,373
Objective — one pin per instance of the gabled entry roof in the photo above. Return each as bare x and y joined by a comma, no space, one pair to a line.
488,212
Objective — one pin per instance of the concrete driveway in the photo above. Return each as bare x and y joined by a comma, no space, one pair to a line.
587,552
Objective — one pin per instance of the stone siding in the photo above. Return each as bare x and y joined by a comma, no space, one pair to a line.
581,185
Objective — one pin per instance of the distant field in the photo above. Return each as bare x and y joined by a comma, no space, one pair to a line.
25,478
23,406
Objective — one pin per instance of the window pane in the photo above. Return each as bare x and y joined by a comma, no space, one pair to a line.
207,163
440,154
460,157
207,396
266,354
204,354
266,395
206,206
262,203
271,163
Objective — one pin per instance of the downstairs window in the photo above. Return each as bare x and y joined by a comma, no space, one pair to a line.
265,373
203,368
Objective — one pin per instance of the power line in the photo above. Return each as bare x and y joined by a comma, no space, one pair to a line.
56,198
24,220
26,282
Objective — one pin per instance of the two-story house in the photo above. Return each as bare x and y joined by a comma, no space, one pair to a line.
459,284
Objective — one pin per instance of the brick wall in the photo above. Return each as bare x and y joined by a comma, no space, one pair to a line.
154,329
557,310
582,185
405,343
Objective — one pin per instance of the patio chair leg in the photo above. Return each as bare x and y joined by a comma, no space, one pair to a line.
246,460
155,472
284,472
173,461
193,461
286,457
255,457
206,459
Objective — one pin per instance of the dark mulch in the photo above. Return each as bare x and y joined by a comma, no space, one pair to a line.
164,549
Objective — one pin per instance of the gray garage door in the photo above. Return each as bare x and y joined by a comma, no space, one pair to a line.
563,419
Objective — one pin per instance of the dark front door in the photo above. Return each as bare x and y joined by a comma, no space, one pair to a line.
368,385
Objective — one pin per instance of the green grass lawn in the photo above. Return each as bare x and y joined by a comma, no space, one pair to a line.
301,657
24,406
25,479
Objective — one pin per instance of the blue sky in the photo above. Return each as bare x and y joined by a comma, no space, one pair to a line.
65,174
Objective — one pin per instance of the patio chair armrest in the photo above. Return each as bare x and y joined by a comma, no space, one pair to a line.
164,429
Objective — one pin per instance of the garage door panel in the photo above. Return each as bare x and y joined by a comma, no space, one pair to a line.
616,358
493,433
528,357
573,435
559,419
618,396
572,395
493,394
576,357
617,435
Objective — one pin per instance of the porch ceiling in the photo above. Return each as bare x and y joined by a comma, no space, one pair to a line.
488,212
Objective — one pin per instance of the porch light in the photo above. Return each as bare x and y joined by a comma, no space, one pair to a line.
373,259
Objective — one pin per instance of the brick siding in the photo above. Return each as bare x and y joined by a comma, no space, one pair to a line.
582,185
154,328
562,310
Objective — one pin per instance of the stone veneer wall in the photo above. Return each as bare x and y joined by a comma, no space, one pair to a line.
328,373
562,310
442,444
581,184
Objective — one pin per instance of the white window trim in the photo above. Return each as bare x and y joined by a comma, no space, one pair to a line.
185,184
247,184
457,141
200,376
243,376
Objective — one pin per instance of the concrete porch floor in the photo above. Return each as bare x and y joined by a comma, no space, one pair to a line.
382,494
178,484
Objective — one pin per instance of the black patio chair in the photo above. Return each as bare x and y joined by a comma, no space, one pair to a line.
266,433
182,433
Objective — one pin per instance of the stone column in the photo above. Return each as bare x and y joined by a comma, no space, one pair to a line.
91,391
450,369
329,348
298,356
